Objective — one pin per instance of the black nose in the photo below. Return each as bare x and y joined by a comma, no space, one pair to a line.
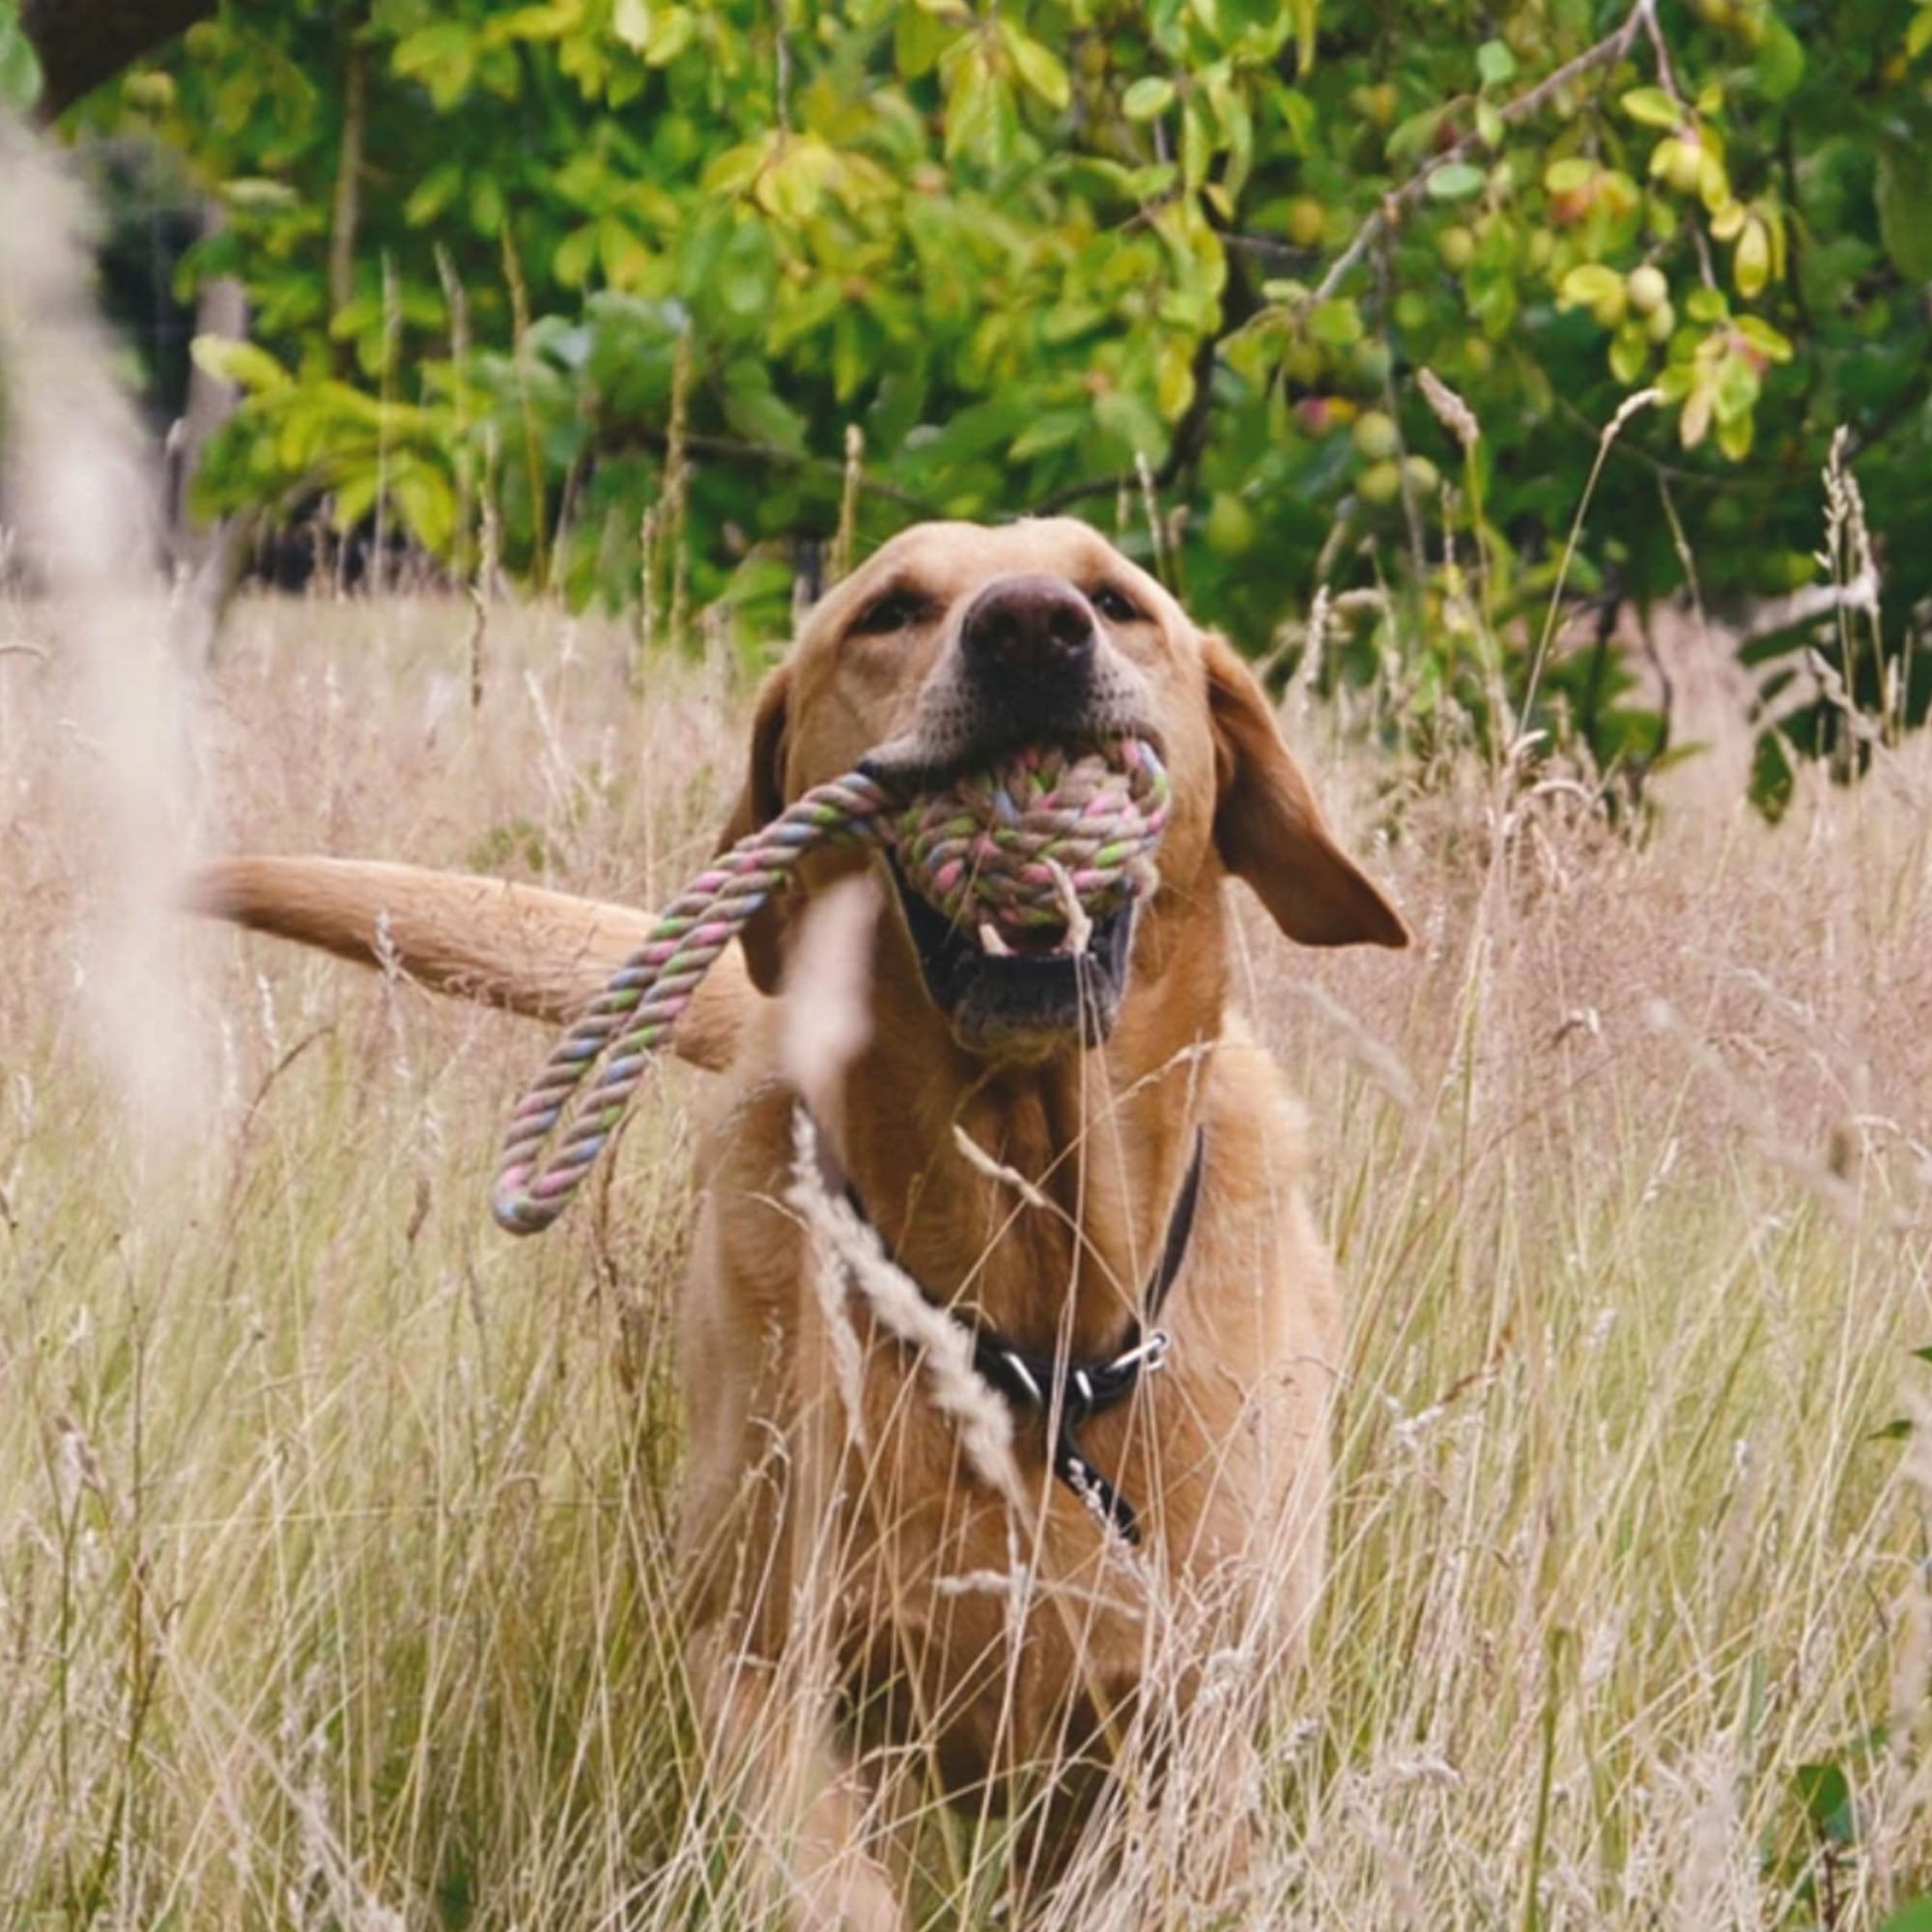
1034,632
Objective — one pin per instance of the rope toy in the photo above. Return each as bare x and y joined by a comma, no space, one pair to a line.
1032,840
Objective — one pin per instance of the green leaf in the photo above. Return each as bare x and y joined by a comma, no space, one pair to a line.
245,364
1412,140
1738,388
1914,1918
1301,119
979,110
1036,66
1494,63
1455,181
1919,35
433,195
1652,107
426,502
673,29
1588,284
1056,430
1780,62
1148,97
920,39
1825,1793
1630,351
1904,196
1335,323
255,195
631,22
1197,143
442,56
355,497
1174,378
20,77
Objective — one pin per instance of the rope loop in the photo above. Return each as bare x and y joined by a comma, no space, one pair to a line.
1003,844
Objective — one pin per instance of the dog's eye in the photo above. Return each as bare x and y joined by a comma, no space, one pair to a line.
1116,605
895,611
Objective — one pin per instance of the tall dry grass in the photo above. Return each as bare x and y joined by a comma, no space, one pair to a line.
333,1526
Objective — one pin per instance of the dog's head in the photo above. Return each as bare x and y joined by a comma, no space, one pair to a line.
956,643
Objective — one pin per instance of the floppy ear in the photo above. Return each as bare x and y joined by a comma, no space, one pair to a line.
1268,828
760,801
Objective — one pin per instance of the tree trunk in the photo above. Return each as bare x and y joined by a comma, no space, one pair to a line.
208,558
346,205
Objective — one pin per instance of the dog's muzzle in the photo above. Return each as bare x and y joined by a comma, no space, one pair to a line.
1027,668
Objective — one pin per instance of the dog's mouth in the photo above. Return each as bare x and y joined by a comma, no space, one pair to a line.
1021,991
1018,882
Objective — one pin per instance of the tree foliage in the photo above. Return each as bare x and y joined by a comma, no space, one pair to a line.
609,284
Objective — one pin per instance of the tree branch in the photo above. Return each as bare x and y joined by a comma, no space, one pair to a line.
345,203
84,43
1607,51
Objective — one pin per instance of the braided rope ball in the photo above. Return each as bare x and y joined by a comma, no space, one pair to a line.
1026,842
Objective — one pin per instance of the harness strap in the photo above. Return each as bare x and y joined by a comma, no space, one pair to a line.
1077,1390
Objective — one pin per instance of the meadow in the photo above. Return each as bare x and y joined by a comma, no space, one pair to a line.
334,1524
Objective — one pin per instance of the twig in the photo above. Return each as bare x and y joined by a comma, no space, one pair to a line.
1613,47
1190,433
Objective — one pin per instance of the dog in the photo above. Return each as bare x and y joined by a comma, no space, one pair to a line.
1074,1184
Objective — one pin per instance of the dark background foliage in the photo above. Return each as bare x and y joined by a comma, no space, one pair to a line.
650,301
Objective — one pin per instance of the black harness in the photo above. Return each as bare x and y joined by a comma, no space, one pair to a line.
1053,1387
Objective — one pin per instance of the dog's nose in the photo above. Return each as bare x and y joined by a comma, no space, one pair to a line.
1037,632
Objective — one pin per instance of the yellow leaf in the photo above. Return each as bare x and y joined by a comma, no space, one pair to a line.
631,22
1751,265
1174,380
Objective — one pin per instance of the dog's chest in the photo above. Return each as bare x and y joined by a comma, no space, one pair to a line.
1012,1636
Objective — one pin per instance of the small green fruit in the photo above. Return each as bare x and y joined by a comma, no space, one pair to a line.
1379,484
1660,322
1302,361
1376,437
1372,361
1648,289
1684,168
1230,526
1457,249
1421,476
1307,222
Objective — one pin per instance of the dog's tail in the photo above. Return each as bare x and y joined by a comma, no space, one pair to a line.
541,953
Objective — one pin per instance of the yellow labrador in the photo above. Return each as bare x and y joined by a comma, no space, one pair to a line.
1006,1357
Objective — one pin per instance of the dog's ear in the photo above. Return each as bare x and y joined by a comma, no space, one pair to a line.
760,801
1269,829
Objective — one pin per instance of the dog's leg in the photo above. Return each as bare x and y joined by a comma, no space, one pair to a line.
770,1744
763,1560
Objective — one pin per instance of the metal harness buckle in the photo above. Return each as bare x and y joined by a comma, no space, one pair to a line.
1149,1352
